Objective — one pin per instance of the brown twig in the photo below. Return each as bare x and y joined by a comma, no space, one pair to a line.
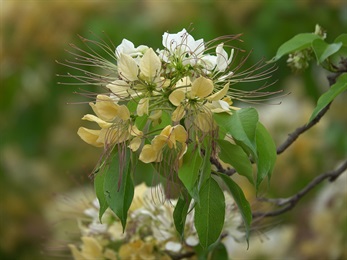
289,203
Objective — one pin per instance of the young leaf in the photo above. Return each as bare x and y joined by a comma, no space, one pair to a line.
324,50
189,171
241,125
99,191
241,202
327,97
266,150
119,187
180,213
219,252
298,42
342,38
236,157
209,215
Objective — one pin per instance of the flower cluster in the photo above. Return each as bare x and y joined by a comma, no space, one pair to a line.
162,100
150,233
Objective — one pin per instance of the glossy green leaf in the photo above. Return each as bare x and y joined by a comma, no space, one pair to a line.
209,215
324,50
241,202
119,187
99,191
237,158
219,252
266,150
205,172
298,42
241,125
180,213
190,169
327,97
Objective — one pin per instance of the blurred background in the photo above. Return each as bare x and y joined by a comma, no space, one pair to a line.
44,164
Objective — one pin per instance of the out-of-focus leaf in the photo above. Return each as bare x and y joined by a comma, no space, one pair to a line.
241,202
209,214
324,50
342,38
327,97
219,252
298,42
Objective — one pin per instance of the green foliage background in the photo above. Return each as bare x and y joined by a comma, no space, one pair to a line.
41,154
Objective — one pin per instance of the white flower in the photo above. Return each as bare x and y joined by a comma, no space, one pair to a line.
173,246
127,47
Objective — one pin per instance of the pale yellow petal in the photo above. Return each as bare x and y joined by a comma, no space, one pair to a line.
220,94
159,141
176,97
105,108
90,136
148,154
134,131
91,248
178,114
201,87
150,64
180,133
100,122
142,107
123,112
127,67
77,255
119,88
156,115
135,144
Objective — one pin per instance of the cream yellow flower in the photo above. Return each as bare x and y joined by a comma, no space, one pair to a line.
170,136
114,121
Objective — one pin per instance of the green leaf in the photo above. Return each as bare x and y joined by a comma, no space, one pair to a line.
324,50
205,172
99,191
189,171
266,150
209,215
241,202
241,125
327,97
298,42
180,213
219,252
342,38
144,172
119,187
236,157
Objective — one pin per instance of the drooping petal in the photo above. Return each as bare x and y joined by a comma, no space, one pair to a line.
220,94
119,88
142,107
148,154
178,114
201,87
127,67
90,136
176,97
100,122
123,112
135,144
180,133
150,64
104,107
